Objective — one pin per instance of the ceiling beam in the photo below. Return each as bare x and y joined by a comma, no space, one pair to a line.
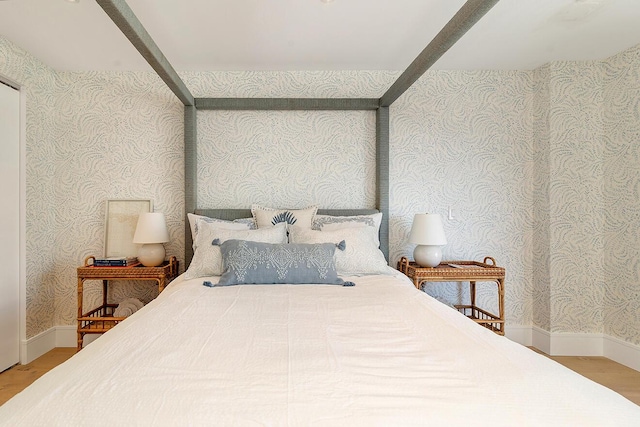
131,27
462,21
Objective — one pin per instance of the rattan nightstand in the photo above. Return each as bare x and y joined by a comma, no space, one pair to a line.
464,271
100,319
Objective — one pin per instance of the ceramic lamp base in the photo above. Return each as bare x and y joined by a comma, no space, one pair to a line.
151,254
427,256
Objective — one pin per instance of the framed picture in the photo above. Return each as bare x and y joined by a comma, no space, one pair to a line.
120,225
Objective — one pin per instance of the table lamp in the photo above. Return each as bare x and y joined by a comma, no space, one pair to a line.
152,232
428,233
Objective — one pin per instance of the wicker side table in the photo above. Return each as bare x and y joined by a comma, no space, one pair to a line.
101,319
464,271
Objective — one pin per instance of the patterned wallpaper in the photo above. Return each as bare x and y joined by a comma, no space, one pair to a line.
306,157
289,84
463,140
540,251
120,136
488,144
621,195
575,197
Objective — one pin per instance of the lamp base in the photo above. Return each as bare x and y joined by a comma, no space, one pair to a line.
151,254
427,256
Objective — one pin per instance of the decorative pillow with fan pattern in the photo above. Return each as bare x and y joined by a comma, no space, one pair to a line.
268,217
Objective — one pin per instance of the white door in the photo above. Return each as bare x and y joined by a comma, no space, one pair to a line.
9,226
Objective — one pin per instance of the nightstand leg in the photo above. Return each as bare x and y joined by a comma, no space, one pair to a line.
472,292
501,298
80,286
105,292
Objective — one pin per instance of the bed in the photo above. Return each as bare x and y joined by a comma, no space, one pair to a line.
367,349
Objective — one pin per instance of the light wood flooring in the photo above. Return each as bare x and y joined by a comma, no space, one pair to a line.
613,375
18,377
617,377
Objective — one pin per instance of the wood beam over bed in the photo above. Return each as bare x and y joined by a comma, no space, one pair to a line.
462,21
124,18
287,104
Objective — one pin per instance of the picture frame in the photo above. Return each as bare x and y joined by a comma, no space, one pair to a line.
121,219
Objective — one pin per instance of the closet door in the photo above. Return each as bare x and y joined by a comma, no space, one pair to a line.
9,226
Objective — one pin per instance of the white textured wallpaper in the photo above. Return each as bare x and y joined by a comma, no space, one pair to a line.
120,136
576,156
621,195
463,140
540,169
540,210
306,157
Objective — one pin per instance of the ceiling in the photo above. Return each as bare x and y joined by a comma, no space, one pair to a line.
209,35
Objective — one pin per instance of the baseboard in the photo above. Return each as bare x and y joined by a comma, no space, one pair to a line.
622,352
36,346
541,339
564,344
518,333
567,344
58,336
66,336
572,344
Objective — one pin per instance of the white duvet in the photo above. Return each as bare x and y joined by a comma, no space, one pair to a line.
377,354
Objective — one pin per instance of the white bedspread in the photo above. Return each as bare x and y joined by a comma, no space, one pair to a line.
380,353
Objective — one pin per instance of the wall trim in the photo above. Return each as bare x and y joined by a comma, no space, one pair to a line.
36,346
541,339
58,336
567,344
622,352
576,344
519,333
66,336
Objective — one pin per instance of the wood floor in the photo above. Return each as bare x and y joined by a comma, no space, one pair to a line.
617,377
15,379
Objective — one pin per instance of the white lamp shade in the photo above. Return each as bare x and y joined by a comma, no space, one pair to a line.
427,229
151,228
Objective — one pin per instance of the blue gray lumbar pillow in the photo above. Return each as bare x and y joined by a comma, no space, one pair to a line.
248,262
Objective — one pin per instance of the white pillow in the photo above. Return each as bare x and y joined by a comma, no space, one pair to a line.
267,217
331,222
361,255
237,224
207,259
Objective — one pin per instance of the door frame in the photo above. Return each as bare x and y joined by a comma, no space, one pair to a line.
22,259
23,224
